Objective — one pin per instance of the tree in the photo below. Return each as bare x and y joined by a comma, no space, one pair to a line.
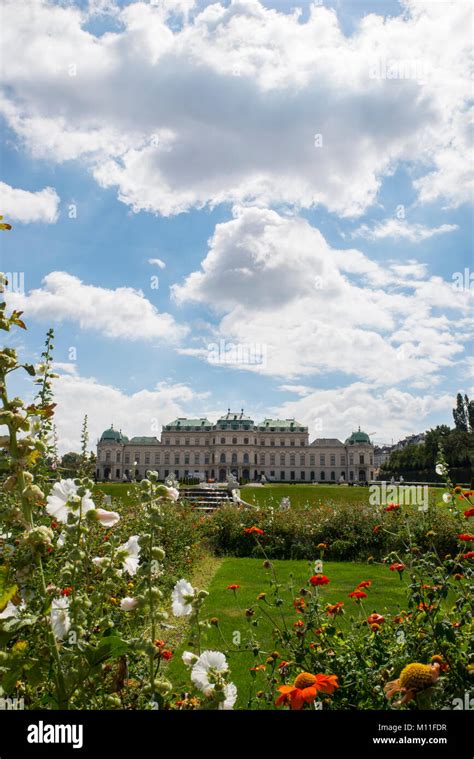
71,464
461,413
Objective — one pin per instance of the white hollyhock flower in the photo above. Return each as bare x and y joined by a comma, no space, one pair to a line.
61,498
61,540
10,610
209,663
107,518
230,692
172,493
447,497
440,469
131,561
182,595
98,560
189,659
128,603
60,617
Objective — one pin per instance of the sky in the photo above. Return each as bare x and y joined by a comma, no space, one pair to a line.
257,205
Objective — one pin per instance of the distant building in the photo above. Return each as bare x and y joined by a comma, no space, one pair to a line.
279,449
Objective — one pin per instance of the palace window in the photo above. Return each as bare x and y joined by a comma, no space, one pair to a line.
127,458
167,458
351,475
222,458
302,442
117,458
302,459
323,475
272,442
176,458
333,475
246,441
361,459
177,441
186,458
107,456
322,460
332,460
222,440
282,459
234,458
167,441
206,458
282,443
186,441
282,475
301,475
147,459
157,458
292,461
246,458
272,459
137,457
292,442
351,458
234,441
343,460
311,459
262,458
312,476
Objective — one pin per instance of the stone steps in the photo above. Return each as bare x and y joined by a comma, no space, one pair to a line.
205,499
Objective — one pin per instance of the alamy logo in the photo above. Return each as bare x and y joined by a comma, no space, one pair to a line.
405,495
45,733
12,704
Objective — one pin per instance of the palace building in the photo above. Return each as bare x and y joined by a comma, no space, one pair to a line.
279,449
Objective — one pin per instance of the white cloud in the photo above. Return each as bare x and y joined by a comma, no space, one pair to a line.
28,207
275,281
401,229
121,313
157,262
384,414
139,413
225,105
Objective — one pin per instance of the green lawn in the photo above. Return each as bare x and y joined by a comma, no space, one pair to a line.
387,594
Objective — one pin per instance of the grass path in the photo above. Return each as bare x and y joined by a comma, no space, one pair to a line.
387,594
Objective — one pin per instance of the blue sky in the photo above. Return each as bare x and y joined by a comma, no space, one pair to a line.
188,134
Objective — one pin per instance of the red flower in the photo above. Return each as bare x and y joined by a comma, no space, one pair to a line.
375,619
469,513
364,584
253,530
392,507
159,643
357,594
66,591
166,654
466,537
468,555
319,580
54,525
397,567
377,529
233,587
334,608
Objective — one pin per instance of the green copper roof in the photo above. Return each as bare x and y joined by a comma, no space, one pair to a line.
234,416
358,437
113,436
286,424
183,423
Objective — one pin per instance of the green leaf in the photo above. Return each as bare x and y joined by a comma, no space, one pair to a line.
109,648
7,591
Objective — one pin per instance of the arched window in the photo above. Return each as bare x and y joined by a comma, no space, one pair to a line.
312,476
323,475
222,458
234,441
333,475
246,441
234,458
246,458
222,440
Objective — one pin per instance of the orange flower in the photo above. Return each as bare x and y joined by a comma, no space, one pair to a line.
166,654
392,507
469,513
375,619
377,529
357,594
335,608
319,580
253,530
466,537
364,584
66,591
233,587
468,555
305,689
299,604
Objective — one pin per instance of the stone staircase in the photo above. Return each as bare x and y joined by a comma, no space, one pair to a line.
206,499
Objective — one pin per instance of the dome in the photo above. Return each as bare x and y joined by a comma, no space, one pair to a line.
358,437
112,436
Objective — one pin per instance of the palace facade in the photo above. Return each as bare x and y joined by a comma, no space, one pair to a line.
279,449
